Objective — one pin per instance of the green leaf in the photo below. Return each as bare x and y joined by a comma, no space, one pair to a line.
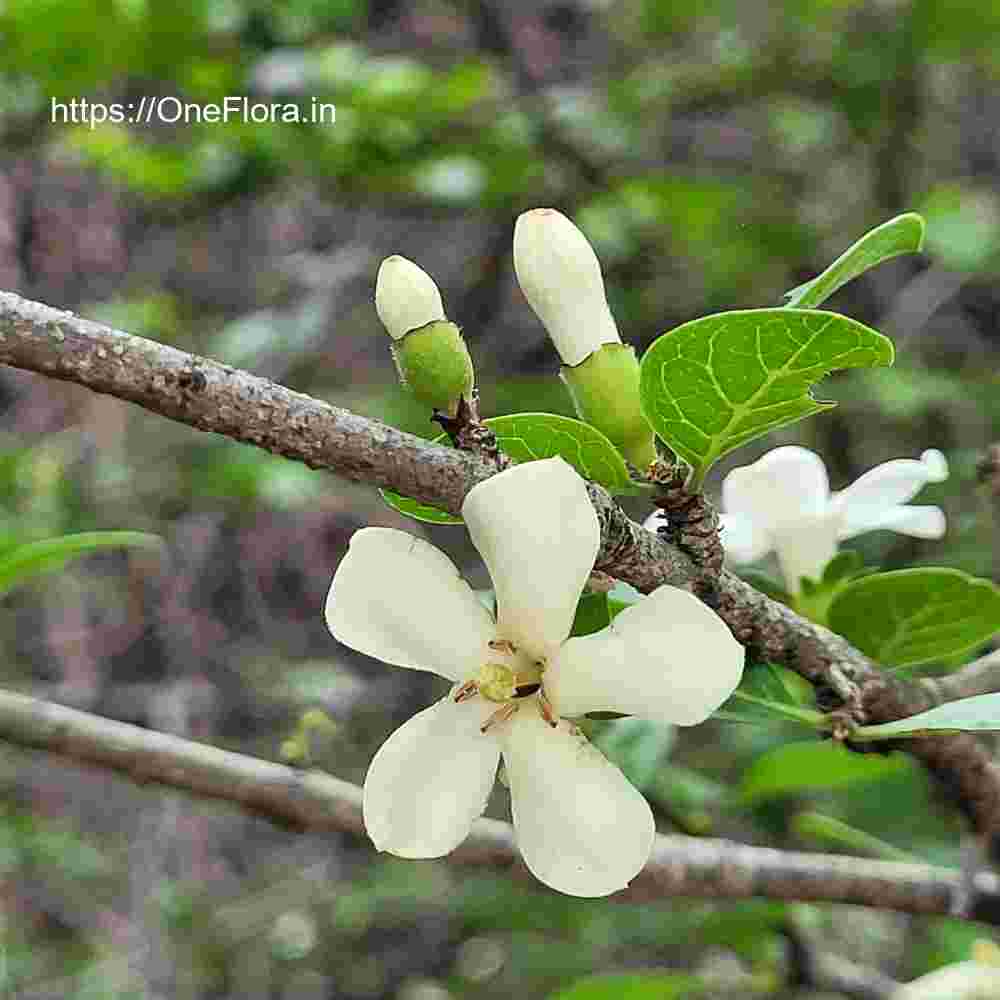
634,986
913,616
903,234
417,510
800,767
592,614
526,437
978,714
769,693
716,383
637,746
835,833
53,553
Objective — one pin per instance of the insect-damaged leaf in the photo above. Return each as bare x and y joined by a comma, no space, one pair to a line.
716,383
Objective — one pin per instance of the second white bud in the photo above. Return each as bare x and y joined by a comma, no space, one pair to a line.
560,276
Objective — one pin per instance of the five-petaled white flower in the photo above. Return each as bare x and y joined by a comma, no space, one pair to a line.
581,827
782,502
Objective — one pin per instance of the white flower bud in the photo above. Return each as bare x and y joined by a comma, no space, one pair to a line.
406,297
560,276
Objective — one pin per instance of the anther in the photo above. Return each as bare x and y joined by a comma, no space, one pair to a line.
466,691
502,714
502,646
548,712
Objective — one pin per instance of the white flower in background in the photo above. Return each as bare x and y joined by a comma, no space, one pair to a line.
581,827
560,276
961,981
782,503
406,297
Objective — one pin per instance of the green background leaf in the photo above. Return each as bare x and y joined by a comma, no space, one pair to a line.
903,234
799,767
52,553
526,437
716,383
634,986
978,714
912,616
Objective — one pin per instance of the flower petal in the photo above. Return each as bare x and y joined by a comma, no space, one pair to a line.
430,780
742,539
804,548
937,465
581,827
918,520
888,485
787,484
400,599
538,534
668,658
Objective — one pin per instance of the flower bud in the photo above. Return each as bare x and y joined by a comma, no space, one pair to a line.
605,391
430,353
406,297
434,362
560,276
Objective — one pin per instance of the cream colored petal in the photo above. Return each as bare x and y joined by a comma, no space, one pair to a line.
401,600
786,485
406,297
861,505
804,548
668,658
430,780
742,539
581,827
918,520
936,464
538,534
560,276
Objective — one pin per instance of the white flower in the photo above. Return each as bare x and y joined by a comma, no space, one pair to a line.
560,276
406,297
960,981
581,827
782,502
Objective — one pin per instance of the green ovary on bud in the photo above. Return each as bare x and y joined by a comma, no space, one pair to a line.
605,391
434,362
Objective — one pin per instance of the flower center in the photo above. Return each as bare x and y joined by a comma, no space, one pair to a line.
505,680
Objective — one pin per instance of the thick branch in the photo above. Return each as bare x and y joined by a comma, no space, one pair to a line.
210,396
312,800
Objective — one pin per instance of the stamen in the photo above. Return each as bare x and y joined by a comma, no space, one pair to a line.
467,690
502,714
548,712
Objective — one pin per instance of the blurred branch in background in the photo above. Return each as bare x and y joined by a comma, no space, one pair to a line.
314,801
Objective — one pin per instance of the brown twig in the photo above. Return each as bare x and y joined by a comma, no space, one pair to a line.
210,396
315,801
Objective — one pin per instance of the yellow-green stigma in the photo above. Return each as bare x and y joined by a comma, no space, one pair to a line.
496,682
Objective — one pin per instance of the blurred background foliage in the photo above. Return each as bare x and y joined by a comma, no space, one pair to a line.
716,154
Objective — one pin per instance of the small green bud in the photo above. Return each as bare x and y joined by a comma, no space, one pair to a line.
605,391
434,362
